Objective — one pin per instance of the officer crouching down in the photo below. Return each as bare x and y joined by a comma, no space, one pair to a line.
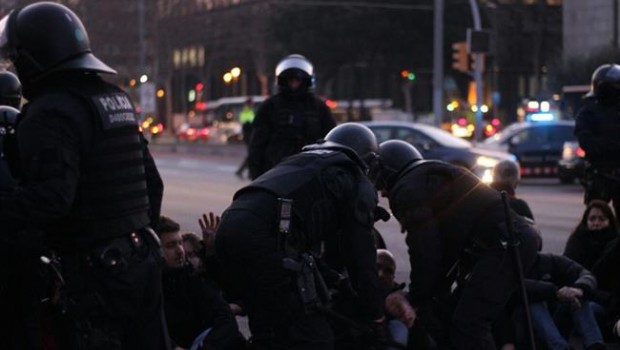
272,235
89,183
456,228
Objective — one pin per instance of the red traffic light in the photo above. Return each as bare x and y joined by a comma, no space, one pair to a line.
199,86
460,57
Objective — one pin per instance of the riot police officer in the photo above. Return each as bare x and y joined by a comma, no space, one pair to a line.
291,119
597,128
316,203
8,120
10,102
10,90
90,184
456,233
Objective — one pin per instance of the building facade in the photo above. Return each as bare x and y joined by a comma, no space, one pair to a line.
589,27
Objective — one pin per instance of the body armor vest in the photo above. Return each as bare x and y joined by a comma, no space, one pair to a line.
316,210
607,129
112,198
296,123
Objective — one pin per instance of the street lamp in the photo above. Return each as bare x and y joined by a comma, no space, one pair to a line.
235,72
228,77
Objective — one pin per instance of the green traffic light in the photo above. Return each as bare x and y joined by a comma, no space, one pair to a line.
411,76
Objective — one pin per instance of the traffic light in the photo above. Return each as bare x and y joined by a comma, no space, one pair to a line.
460,58
407,74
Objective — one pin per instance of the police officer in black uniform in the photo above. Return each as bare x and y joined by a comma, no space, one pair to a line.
10,103
316,203
456,231
291,119
10,90
90,184
597,128
8,121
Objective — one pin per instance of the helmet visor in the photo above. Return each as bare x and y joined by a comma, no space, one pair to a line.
297,62
6,55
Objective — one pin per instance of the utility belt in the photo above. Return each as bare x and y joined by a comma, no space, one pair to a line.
310,285
76,308
121,248
116,251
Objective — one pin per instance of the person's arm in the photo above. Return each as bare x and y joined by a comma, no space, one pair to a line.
606,267
154,183
538,290
357,205
573,275
50,144
261,132
425,256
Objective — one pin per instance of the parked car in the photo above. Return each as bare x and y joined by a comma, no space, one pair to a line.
573,163
436,143
538,146
193,133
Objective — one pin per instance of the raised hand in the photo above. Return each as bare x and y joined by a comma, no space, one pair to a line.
208,226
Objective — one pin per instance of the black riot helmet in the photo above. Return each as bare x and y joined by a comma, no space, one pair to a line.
394,157
295,66
355,140
605,84
47,37
10,90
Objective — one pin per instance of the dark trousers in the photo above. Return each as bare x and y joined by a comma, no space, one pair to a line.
113,305
603,184
493,281
246,243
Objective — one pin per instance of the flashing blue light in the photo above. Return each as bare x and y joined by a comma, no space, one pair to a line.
541,117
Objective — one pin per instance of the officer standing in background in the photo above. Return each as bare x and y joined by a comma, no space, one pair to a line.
316,204
291,119
246,118
456,231
90,184
597,128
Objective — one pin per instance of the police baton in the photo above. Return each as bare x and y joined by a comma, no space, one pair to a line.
513,243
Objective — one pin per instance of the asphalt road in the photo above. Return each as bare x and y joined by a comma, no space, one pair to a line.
195,184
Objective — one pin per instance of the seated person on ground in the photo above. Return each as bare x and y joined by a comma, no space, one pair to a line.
397,307
191,304
506,177
560,284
